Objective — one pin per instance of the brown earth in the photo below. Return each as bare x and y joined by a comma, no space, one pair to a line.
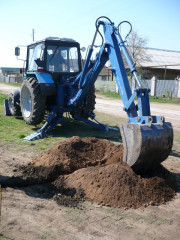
75,153
29,211
116,185
92,169
44,203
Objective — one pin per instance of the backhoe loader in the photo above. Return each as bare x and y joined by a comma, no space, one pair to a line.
56,83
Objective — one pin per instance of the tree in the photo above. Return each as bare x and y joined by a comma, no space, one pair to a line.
136,45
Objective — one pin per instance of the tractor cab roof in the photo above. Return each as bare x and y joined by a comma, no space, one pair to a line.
56,40
59,39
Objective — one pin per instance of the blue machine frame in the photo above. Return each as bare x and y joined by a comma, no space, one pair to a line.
111,50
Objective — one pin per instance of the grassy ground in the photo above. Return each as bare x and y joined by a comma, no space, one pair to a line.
14,129
152,99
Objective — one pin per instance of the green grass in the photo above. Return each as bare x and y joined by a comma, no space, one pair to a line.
14,129
110,94
152,99
2,97
165,100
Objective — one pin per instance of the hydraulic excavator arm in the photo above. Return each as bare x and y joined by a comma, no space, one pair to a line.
147,139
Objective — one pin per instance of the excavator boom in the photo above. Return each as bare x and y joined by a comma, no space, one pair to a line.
147,139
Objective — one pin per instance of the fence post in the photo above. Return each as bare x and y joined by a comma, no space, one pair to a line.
178,92
153,86
7,79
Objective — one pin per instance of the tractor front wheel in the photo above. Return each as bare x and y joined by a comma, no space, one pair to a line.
32,102
14,103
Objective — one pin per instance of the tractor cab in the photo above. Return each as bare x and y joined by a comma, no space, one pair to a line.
59,57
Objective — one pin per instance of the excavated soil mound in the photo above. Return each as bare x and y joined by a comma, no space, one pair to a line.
75,153
117,185
92,169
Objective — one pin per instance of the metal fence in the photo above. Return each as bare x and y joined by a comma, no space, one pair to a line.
168,88
105,86
11,79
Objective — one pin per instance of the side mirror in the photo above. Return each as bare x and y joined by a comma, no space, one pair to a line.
83,49
17,51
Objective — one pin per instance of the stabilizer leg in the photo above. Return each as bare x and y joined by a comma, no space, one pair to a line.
51,122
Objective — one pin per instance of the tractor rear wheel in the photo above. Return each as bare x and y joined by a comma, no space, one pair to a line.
33,104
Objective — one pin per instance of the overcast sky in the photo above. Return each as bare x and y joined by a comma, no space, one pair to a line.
156,20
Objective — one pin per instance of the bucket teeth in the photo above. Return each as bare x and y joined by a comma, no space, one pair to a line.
146,146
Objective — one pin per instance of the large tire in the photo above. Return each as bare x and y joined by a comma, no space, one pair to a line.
14,103
33,104
88,103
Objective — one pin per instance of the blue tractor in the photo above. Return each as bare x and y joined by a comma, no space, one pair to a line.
55,83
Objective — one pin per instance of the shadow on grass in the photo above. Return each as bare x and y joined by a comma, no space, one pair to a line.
70,127
174,153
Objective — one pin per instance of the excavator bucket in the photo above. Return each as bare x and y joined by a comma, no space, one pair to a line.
146,146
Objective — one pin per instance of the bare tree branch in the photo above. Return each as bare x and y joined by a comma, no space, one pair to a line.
137,44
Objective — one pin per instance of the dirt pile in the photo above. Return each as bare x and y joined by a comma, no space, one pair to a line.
92,168
117,185
75,153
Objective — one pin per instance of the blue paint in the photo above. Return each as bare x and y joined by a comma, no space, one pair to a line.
41,77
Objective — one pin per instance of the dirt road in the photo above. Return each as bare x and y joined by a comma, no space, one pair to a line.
171,112
7,89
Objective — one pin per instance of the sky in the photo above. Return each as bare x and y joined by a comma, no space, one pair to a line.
156,20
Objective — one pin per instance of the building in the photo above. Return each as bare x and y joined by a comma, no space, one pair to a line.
9,71
105,74
160,72
162,64
10,75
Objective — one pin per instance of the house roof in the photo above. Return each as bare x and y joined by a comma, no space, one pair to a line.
9,69
159,58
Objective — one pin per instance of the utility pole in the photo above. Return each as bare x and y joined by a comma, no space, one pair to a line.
33,34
